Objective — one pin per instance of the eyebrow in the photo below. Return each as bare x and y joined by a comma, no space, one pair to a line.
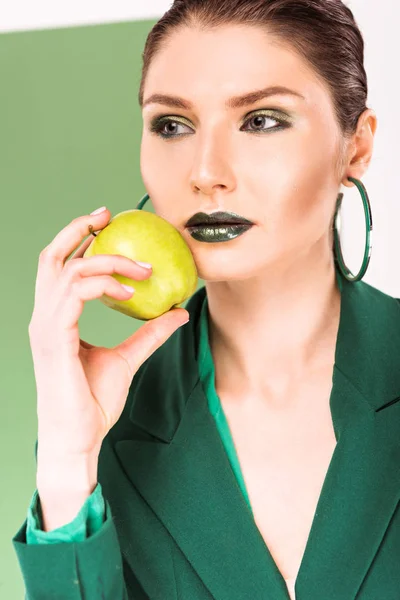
234,102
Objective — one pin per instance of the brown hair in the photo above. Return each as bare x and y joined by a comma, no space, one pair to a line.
323,32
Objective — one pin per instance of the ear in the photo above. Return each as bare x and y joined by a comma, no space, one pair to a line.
361,147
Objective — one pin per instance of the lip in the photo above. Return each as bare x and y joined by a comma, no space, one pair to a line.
218,233
217,218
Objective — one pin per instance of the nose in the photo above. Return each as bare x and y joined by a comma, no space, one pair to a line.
212,166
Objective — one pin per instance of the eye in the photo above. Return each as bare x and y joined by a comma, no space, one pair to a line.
166,127
261,117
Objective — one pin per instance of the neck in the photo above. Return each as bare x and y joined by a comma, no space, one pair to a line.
267,332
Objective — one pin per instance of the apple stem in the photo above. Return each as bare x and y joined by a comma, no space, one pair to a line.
91,231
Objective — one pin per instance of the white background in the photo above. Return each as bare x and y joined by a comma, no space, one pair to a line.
379,24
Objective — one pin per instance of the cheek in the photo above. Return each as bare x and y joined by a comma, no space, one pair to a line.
292,184
152,165
164,170
162,162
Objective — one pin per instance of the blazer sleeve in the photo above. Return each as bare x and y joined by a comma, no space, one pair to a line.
87,522
78,561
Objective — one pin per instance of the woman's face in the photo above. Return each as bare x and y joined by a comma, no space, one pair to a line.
274,161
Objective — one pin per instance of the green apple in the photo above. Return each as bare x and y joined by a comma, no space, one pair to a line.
142,235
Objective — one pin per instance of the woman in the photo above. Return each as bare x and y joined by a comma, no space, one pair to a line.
254,453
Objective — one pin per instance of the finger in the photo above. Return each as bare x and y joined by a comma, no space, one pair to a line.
53,257
109,264
82,249
69,238
70,303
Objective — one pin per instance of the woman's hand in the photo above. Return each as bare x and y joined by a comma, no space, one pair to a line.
82,389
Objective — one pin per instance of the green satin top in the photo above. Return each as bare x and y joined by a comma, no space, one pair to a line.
207,376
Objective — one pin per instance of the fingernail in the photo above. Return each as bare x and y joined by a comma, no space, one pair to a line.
99,210
128,288
143,264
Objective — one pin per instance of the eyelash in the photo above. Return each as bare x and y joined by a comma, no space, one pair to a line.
158,123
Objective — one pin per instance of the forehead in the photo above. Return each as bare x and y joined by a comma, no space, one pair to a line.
214,64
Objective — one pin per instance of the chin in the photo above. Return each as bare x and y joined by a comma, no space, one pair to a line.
223,270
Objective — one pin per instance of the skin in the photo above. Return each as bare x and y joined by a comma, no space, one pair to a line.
273,299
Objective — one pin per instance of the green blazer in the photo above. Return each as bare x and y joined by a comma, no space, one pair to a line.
178,526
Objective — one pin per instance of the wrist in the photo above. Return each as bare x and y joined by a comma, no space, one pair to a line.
62,473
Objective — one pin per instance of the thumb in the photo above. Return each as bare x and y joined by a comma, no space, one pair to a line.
140,346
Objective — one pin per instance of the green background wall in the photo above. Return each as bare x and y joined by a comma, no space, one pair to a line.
70,130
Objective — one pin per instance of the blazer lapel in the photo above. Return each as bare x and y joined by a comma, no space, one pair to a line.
180,467
362,486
